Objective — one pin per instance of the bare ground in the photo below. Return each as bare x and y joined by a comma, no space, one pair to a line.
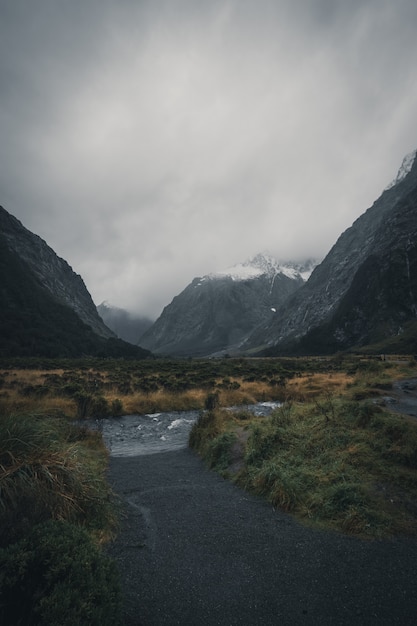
196,550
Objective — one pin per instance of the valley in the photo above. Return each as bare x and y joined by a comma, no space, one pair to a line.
330,348
356,398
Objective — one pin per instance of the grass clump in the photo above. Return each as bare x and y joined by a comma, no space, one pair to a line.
51,469
333,462
210,438
350,468
56,508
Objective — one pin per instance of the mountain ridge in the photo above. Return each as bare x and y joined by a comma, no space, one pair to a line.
53,272
45,308
382,228
216,312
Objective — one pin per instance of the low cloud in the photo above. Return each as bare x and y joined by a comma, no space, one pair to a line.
151,142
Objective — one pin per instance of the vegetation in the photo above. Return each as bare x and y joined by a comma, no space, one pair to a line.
103,387
50,469
56,508
56,576
331,455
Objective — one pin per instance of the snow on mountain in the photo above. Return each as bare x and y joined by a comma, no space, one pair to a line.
265,264
364,291
405,168
214,314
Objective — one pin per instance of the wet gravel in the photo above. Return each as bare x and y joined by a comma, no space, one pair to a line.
196,550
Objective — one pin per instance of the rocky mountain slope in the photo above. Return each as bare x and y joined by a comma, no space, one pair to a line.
45,308
365,290
216,312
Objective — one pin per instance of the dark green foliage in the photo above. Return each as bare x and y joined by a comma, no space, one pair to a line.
212,401
92,405
56,576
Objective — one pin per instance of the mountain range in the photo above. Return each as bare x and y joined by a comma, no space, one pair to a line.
361,297
215,313
45,307
364,293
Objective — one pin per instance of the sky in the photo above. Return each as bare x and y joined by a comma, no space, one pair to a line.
152,141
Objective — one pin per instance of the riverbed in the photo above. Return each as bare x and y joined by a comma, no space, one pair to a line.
152,433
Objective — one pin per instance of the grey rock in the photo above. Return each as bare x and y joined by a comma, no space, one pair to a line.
52,272
366,287
214,314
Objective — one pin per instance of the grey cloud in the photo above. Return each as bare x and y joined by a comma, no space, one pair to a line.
150,142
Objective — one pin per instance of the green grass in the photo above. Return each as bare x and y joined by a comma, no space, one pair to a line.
333,463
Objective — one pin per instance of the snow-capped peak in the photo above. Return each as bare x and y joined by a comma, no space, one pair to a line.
266,264
405,168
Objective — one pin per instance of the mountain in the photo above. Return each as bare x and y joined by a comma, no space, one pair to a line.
216,312
126,325
45,308
364,293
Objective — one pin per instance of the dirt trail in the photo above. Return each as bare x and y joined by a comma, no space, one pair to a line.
196,550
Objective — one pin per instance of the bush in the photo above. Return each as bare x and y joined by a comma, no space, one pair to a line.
116,408
57,576
91,405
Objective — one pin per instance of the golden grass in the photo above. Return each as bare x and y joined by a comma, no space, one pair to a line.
29,376
161,400
14,403
232,390
14,399
312,385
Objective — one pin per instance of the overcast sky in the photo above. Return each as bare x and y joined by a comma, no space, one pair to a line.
149,142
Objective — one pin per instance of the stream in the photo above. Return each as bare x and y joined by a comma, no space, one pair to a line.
133,435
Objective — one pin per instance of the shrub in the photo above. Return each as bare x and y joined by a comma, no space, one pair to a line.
212,401
91,405
116,407
57,576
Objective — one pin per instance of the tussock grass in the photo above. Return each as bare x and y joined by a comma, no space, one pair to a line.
212,437
91,387
333,462
312,385
50,469
15,403
161,400
355,472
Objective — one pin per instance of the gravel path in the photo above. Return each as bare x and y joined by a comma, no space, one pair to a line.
196,550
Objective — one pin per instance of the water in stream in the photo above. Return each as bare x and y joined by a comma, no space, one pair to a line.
133,435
